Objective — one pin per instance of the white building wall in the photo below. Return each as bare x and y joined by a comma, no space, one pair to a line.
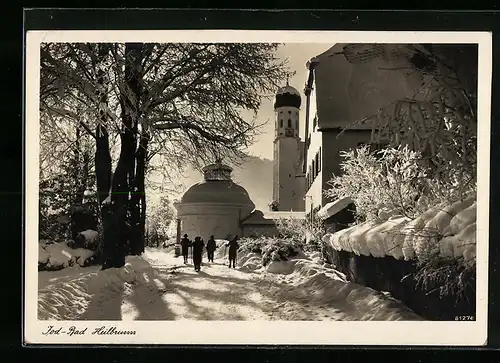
205,220
289,192
314,193
288,185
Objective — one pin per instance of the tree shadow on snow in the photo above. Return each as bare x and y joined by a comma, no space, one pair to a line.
147,297
106,304
219,291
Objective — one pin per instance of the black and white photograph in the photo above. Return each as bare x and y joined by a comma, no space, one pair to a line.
211,181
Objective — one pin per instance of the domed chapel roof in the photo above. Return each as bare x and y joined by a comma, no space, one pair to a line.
218,188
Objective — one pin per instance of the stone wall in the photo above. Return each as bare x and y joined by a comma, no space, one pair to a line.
396,277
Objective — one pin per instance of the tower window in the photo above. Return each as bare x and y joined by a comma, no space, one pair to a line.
290,112
289,123
281,123
317,165
296,124
319,159
281,112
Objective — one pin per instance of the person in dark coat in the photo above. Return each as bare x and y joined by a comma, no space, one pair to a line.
211,246
185,243
233,248
198,245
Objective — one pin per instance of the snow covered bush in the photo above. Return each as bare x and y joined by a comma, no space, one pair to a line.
306,231
56,256
88,239
159,216
449,276
394,181
272,249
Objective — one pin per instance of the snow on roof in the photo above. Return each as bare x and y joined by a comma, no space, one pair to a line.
259,217
449,231
332,208
285,214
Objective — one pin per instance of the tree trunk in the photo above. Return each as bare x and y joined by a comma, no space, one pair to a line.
131,93
138,199
112,244
130,96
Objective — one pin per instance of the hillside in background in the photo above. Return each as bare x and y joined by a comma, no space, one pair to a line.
255,175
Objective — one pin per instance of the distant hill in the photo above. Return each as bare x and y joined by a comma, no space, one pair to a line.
255,175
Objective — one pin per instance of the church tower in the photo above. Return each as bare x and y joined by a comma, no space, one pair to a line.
288,179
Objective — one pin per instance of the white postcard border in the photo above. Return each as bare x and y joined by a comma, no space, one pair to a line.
466,333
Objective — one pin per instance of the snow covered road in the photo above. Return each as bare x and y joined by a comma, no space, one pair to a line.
161,287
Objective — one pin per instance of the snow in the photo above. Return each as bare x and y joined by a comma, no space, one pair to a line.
281,267
449,231
90,235
43,256
332,208
158,286
67,294
59,255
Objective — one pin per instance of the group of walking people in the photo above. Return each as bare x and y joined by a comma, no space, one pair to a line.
198,245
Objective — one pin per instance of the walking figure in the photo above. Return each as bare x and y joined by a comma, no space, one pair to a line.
185,243
198,245
233,248
211,247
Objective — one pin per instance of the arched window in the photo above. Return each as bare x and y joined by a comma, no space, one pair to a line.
289,111
289,123
281,122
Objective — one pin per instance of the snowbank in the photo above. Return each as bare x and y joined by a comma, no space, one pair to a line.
249,261
68,299
317,284
449,231
58,256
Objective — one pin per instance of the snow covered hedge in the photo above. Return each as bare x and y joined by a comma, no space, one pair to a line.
56,256
449,232
272,249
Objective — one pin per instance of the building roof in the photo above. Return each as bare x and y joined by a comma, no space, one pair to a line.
288,89
257,218
332,208
353,81
218,188
260,218
287,96
217,192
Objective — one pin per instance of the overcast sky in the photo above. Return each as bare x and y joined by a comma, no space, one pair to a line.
297,55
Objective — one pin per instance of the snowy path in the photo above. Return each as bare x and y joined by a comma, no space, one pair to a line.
166,289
